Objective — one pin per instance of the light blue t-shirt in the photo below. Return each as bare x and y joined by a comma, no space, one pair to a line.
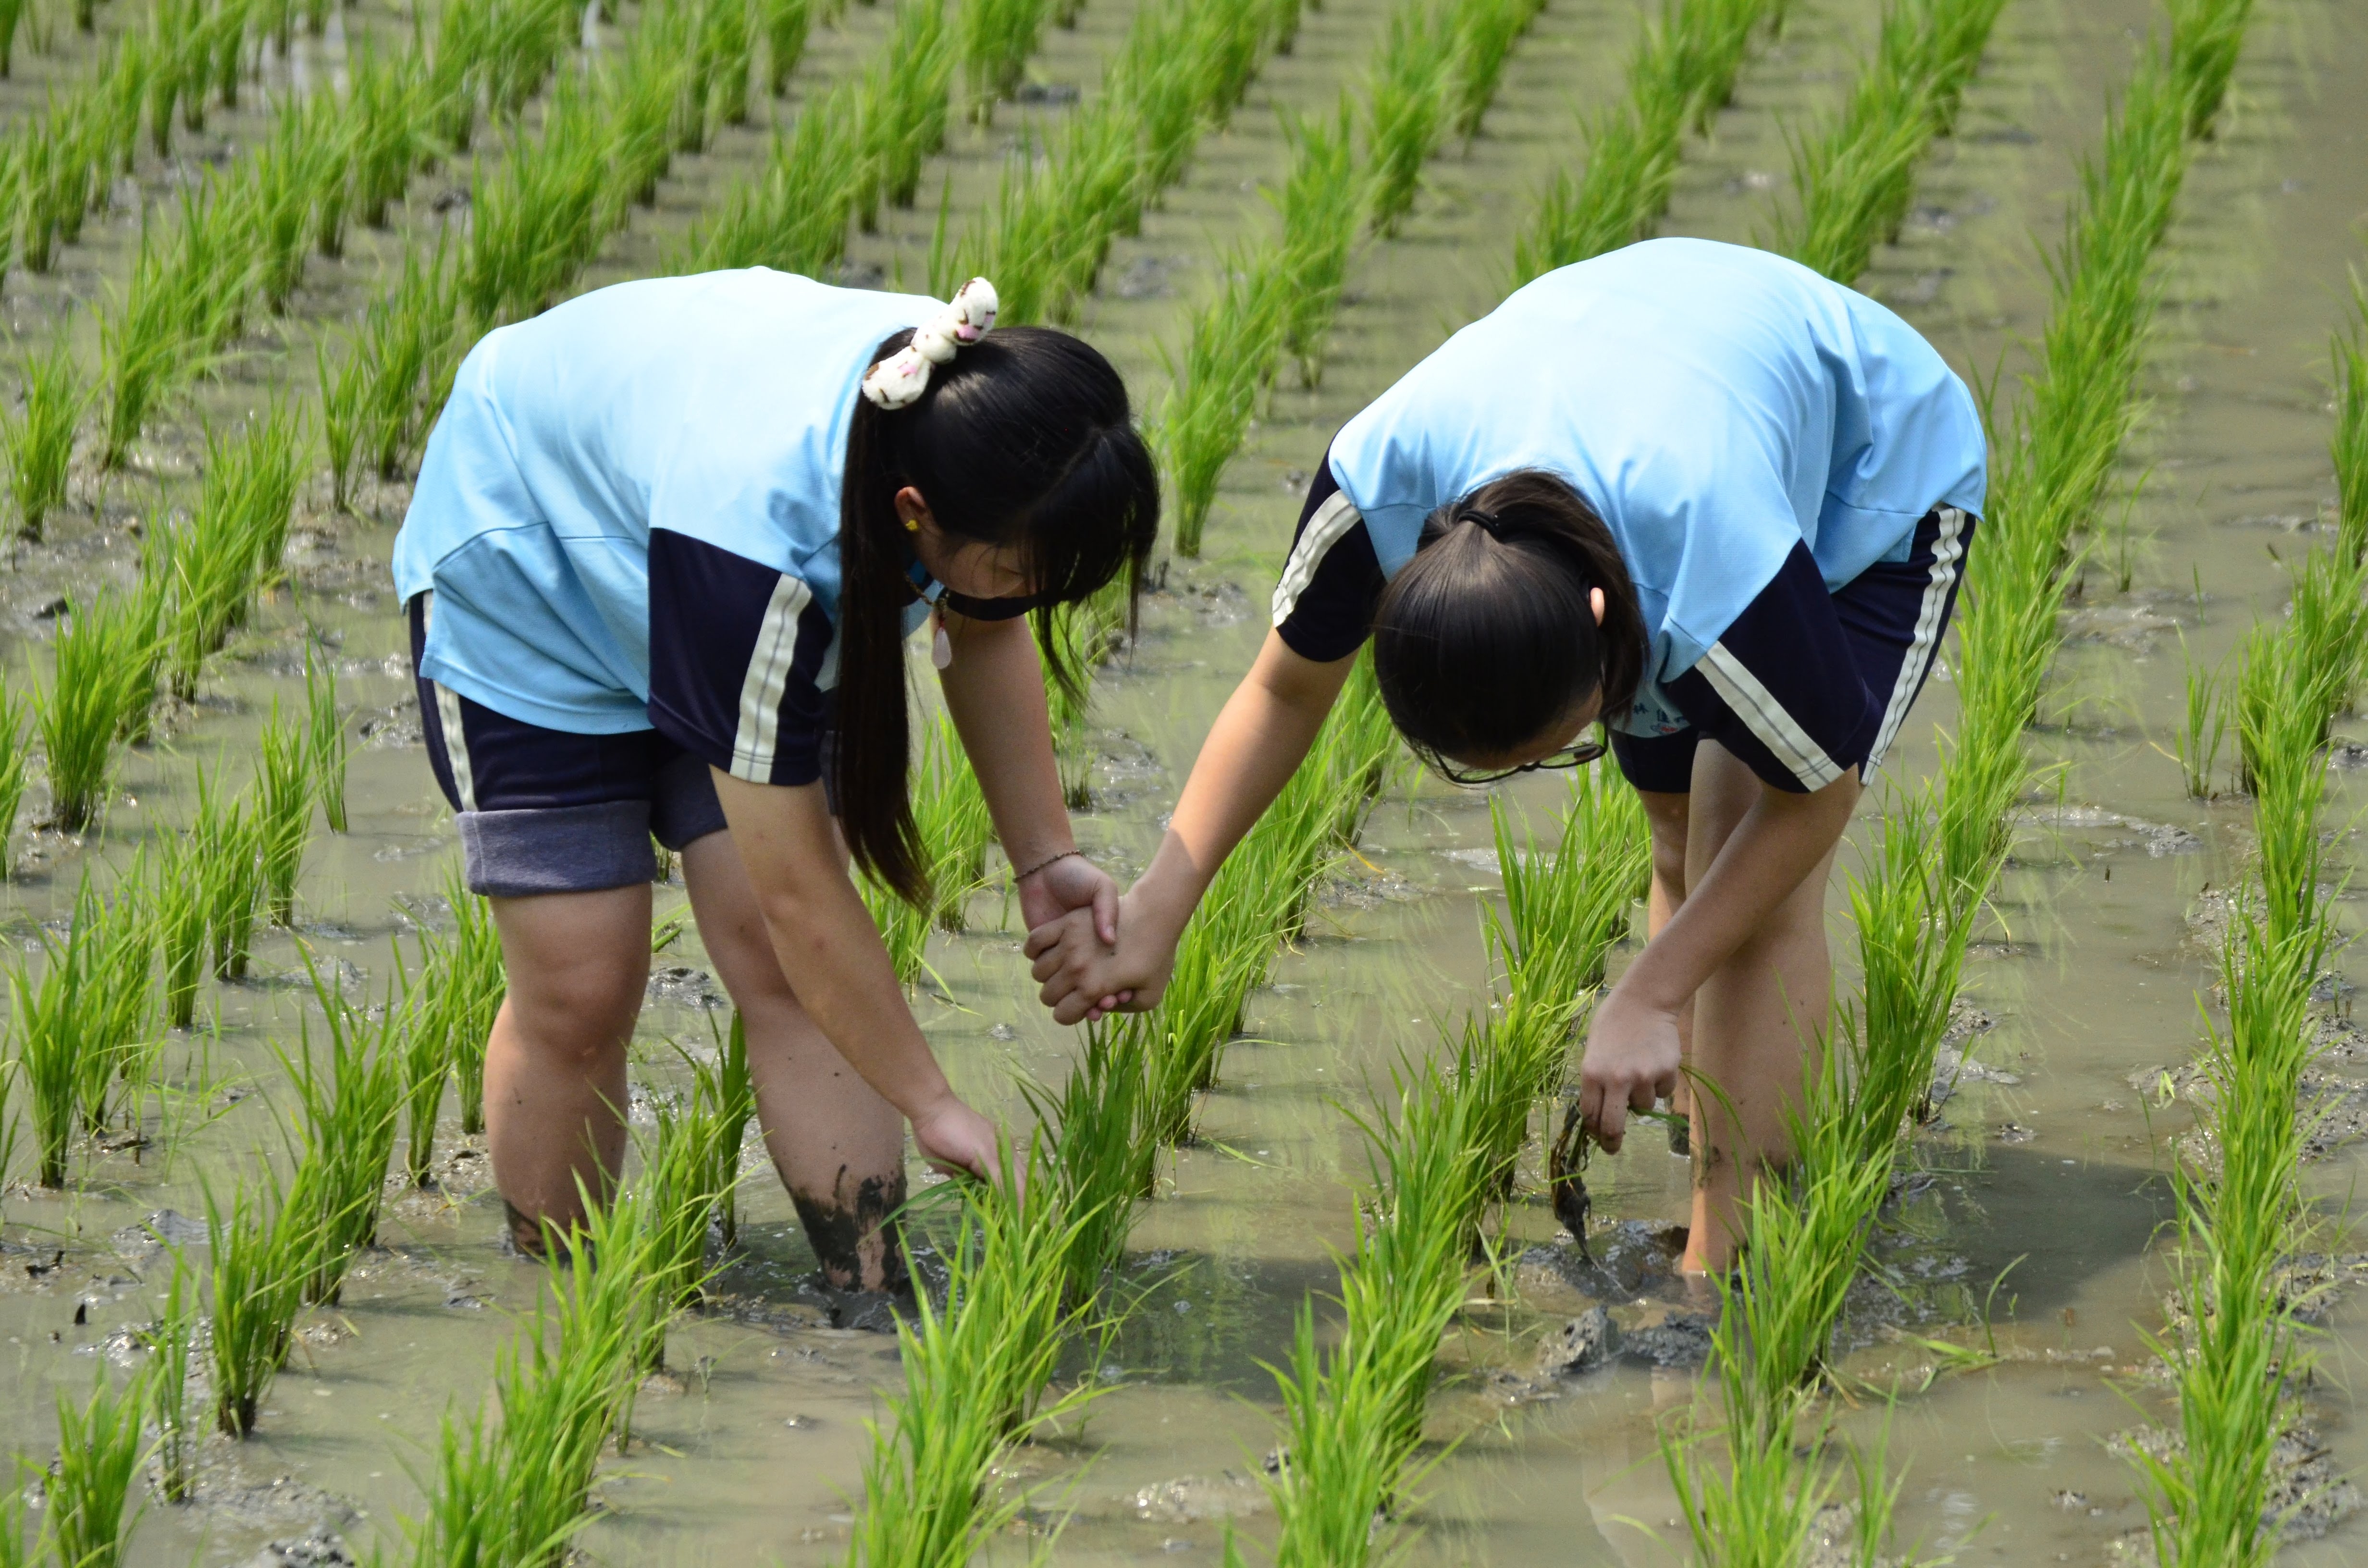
715,406
1716,405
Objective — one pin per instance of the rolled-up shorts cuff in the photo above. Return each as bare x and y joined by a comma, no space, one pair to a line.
546,849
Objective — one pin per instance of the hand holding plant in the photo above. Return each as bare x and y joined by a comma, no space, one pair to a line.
956,1139
1632,1059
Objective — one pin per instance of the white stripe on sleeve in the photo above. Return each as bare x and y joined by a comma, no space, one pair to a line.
1766,718
1332,520
1948,551
767,679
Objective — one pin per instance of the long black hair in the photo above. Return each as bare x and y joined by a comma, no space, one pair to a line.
1023,441
1486,636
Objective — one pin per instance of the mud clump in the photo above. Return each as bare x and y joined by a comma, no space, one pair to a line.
1582,1345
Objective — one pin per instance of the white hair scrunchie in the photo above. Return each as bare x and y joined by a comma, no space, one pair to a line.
904,376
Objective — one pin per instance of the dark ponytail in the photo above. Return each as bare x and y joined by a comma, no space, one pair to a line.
1487,637
1025,441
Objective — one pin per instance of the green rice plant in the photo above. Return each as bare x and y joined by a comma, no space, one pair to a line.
283,812
409,348
689,1176
536,218
521,45
1485,33
104,653
341,419
330,137
1228,362
12,770
226,843
2325,624
1321,198
99,1450
995,39
794,218
426,1065
904,106
12,17
461,980
143,350
180,905
230,549
787,24
326,741
649,99
975,1371
347,1141
39,442
52,1028
1103,1150
728,1086
1682,70
1911,954
1564,914
261,1253
904,929
388,121
949,812
577,1381
2206,36
282,178
1407,109
2349,445
171,1340
2280,732
117,937
727,57
2205,726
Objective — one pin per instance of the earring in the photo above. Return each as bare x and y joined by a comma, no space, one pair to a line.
912,525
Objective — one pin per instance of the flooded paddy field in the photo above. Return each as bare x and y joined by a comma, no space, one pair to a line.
2031,1221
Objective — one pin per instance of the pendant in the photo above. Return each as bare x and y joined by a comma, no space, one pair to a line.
941,648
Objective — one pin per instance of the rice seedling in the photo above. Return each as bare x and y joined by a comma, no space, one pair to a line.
12,17
1564,914
230,549
39,442
99,1450
1102,1151
995,39
536,218
794,218
903,107
226,842
1321,198
688,1175
388,121
949,811
346,1141
1911,953
341,419
260,1254
725,59
2279,730
171,1339
117,937
787,24
463,984
1226,363
584,1371
1406,111
2206,36
52,1028
180,905
329,138
104,680
2349,445
976,1372
283,813
12,770
282,179
904,929
326,741
2205,726
408,349
728,1086
145,354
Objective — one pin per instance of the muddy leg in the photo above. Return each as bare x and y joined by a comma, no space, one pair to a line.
838,1146
1667,814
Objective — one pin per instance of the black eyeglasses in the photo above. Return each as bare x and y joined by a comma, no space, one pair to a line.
1578,755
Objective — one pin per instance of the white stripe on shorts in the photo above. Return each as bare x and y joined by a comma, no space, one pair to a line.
1758,708
456,744
767,680
1948,551
1332,520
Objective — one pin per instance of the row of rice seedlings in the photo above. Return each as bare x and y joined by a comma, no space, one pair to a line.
37,444
976,1372
2055,458
1681,71
1180,71
218,563
461,985
1435,63
1856,174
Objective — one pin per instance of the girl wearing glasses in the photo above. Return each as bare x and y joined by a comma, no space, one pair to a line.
1695,494
667,543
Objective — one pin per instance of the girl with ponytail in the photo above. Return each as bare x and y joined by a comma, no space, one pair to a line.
668,545
1688,493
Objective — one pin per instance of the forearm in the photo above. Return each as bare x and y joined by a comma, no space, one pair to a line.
1260,737
1781,840
994,690
829,947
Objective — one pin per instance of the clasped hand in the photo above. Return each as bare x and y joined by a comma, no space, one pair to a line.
1086,974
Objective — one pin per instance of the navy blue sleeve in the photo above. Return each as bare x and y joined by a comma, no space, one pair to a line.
1782,690
1337,576
737,652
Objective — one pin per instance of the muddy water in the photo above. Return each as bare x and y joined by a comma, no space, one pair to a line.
2047,1171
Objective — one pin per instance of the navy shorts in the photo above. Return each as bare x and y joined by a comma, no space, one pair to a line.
542,810
1798,693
